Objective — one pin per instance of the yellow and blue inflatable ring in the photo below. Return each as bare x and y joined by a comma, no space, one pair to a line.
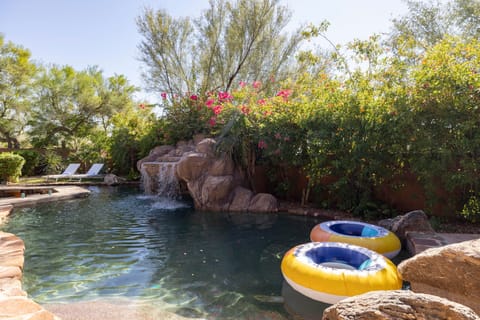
358,233
331,271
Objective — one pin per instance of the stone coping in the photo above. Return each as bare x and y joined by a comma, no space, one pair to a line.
58,193
14,303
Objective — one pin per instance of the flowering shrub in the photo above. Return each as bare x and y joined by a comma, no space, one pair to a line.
360,131
248,125
185,116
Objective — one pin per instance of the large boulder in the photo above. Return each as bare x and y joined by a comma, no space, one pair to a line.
222,166
216,191
240,197
399,305
451,271
263,202
155,155
412,221
111,179
192,166
206,146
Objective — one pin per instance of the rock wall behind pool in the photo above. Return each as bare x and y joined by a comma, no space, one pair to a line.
213,181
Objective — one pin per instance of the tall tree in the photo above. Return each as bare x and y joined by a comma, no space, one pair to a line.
69,104
231,41
428,22
16,78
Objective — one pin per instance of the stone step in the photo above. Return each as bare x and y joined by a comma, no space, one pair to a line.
420,241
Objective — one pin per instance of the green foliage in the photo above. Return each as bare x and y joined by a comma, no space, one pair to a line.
52,163
428,22
229,42
134,133
445,103
360,132
254,127
70,105
156,133
351,138
471,209
10,166
17,73
32,162
91,149
184,117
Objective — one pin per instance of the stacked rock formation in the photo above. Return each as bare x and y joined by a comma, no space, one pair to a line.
213,181
14,303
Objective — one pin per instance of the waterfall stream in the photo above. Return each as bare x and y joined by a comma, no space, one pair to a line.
159,178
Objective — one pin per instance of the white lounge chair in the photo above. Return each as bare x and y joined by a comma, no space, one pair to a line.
92,173
67,173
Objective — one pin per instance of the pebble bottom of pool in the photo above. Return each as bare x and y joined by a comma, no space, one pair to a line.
120,245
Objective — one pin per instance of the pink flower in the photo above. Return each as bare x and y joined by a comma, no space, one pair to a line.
194,97
278,136
209,103
262,144
217,109
286,139
284,93
212,121
256,84
245,109
261,102
163,95
242,84
223,96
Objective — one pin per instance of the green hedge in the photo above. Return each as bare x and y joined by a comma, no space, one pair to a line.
10,167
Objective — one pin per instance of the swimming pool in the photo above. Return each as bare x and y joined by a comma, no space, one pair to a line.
118,243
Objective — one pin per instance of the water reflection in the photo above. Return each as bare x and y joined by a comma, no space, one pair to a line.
301,306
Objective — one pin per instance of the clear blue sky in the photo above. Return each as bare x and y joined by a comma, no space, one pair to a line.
83,33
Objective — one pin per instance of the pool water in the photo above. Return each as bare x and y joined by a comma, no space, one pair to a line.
118,243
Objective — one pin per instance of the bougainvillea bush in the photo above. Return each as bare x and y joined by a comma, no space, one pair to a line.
357,130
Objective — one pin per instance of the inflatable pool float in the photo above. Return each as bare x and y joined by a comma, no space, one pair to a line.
358,233
331,271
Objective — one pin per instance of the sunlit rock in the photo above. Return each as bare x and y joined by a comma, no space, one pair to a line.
398,304
451,271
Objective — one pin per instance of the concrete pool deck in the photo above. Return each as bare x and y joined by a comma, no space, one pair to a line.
53,193
14,303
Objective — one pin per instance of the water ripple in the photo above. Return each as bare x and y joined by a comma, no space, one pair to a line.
117,243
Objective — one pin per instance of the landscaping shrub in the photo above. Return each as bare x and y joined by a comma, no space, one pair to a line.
32,162
185,116
136,132
10,166
352,134
51,163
